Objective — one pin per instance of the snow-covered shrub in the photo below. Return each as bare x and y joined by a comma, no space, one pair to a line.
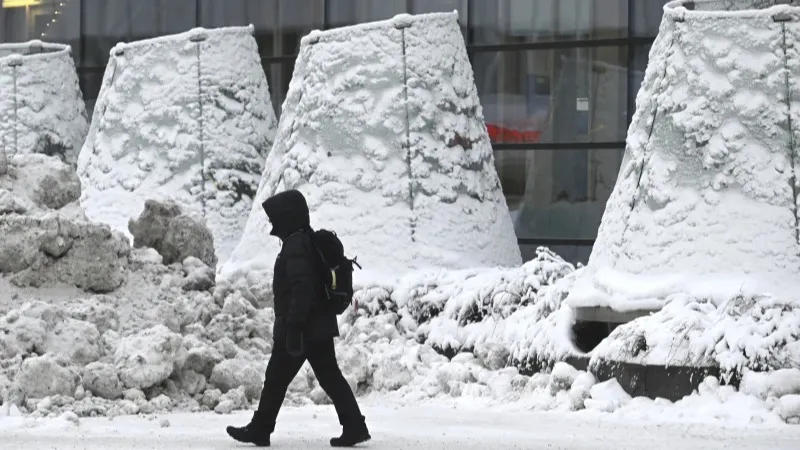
382,130
187,118
456,310
706,200
756,333
41,105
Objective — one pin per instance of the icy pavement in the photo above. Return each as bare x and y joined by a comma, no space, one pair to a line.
434,425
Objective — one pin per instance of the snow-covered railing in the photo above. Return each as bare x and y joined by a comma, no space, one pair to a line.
706,202
185,117
41,106
383,131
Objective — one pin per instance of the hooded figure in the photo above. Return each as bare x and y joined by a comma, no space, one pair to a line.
304,328
297,283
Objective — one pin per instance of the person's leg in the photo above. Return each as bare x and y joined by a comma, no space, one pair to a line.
281,370
322,357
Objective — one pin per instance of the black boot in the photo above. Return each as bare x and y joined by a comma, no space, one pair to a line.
251,434
352,433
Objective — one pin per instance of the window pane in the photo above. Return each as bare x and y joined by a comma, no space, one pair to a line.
91,79
279,74
640,58
431,6
646,16
107,22
279,24
348,12
48,21
557,194
515,21
561,95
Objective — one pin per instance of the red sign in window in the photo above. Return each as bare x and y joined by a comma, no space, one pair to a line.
510,135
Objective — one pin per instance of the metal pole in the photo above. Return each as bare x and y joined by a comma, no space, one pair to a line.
3,158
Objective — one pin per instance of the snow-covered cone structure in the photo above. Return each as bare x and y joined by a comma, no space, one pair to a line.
383,132
41,106
706,202
187,118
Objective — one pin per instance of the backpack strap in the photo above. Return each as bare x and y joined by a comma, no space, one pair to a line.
325,264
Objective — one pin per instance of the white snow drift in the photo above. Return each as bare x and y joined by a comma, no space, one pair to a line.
41,106
382,130
706,202
186,118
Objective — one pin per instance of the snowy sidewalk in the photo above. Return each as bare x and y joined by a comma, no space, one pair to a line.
428,426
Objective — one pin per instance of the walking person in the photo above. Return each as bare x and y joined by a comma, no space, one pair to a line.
304,329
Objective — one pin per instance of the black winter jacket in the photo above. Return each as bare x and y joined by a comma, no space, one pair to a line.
297,281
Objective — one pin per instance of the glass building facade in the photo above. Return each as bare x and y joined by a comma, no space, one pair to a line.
557,79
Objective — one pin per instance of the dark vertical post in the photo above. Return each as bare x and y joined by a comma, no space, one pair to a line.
629,106
3,158
197,13
469,37
81,35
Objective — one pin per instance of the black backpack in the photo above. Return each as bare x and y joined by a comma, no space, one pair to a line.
337,269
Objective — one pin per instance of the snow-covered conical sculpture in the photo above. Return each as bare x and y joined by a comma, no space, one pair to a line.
706,201
41,106
187,118
383,132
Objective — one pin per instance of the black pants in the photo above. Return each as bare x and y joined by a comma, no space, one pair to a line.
282,369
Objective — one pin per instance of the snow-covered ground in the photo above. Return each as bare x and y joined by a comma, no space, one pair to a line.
434,424
460,355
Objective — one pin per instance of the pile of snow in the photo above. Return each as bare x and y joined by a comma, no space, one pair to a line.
186,118
41,105
46,239
706,202
173,234
34,184
155,346
383,132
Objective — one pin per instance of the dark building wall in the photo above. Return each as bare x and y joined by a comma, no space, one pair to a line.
557,79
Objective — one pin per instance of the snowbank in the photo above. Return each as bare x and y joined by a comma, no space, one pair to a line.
382,130
706,202
186,118
41,105
153,346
